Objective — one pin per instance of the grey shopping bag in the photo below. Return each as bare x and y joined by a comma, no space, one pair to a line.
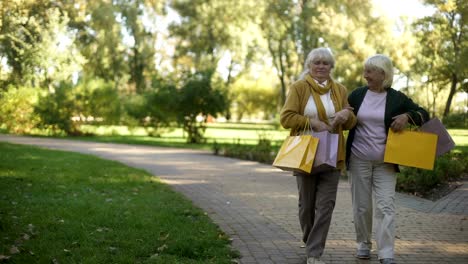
445,142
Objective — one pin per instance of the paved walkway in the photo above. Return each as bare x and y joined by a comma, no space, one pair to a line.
256,205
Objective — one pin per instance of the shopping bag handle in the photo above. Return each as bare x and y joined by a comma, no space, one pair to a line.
409,116
307,125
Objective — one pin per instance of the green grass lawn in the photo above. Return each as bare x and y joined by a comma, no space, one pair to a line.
62,207
229,133
224,133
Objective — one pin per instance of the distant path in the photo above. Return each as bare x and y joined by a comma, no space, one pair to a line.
256,205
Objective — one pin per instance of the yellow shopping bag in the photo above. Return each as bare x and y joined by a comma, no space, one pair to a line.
411,148
297,153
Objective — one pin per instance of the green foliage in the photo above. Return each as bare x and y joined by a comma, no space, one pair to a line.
263,151
29,41
97,101
444,46
17,109
62,207
153,108
456,120
160,105
135,109
251,98
198,98
447,167
121,46
56,110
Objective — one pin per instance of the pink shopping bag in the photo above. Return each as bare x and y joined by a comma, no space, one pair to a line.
327,150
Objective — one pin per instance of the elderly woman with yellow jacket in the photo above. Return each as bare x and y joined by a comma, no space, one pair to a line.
317,99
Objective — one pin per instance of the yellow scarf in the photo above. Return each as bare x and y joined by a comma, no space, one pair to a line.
317,90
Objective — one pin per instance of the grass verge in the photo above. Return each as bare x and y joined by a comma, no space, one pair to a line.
63,207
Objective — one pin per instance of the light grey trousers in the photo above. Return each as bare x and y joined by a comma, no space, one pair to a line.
317,197
377,178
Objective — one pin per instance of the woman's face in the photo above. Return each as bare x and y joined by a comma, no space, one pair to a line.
320,70
374,77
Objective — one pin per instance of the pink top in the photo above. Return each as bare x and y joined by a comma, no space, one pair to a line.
370,138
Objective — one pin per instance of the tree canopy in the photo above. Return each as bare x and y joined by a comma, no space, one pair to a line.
130,61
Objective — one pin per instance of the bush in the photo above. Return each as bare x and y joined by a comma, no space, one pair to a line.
263,152
448,167
56,110
17,109
456,120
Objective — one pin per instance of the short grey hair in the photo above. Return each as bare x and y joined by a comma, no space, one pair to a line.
317,54
383,63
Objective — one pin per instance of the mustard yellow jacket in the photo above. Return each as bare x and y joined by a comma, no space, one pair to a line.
292,114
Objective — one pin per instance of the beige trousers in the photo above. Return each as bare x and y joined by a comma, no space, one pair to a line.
377,180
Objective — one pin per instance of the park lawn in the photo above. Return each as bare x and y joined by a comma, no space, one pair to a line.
460,136
224,133
63,207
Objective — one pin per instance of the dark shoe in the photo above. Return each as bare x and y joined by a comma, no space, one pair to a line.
363,254
387,261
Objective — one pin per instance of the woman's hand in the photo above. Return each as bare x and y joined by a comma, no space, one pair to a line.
319,126
399,122
341,116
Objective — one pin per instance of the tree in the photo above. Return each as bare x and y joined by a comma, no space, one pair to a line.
141,54
348,28
31,34
56,110
444,40
198,98
278,29
255,97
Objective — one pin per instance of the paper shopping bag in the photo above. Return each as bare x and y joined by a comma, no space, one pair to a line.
411,148
297,153
327,150
445,142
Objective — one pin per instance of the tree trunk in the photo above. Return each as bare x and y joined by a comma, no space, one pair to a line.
453,90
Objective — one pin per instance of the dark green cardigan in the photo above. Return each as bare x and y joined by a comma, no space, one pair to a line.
396,103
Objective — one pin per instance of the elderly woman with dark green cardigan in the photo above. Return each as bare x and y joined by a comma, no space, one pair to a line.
317,99
378,108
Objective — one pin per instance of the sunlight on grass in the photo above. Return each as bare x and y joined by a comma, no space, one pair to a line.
230,133
460,136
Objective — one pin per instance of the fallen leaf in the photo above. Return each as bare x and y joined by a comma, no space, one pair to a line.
161,248
14,250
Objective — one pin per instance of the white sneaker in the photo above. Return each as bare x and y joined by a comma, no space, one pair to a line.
312,260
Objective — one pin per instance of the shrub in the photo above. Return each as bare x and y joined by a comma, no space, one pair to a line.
456,120
17,109
262,152
56,110
448,167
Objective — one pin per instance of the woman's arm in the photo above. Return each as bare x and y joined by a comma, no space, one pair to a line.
351,121
291,116
416,114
